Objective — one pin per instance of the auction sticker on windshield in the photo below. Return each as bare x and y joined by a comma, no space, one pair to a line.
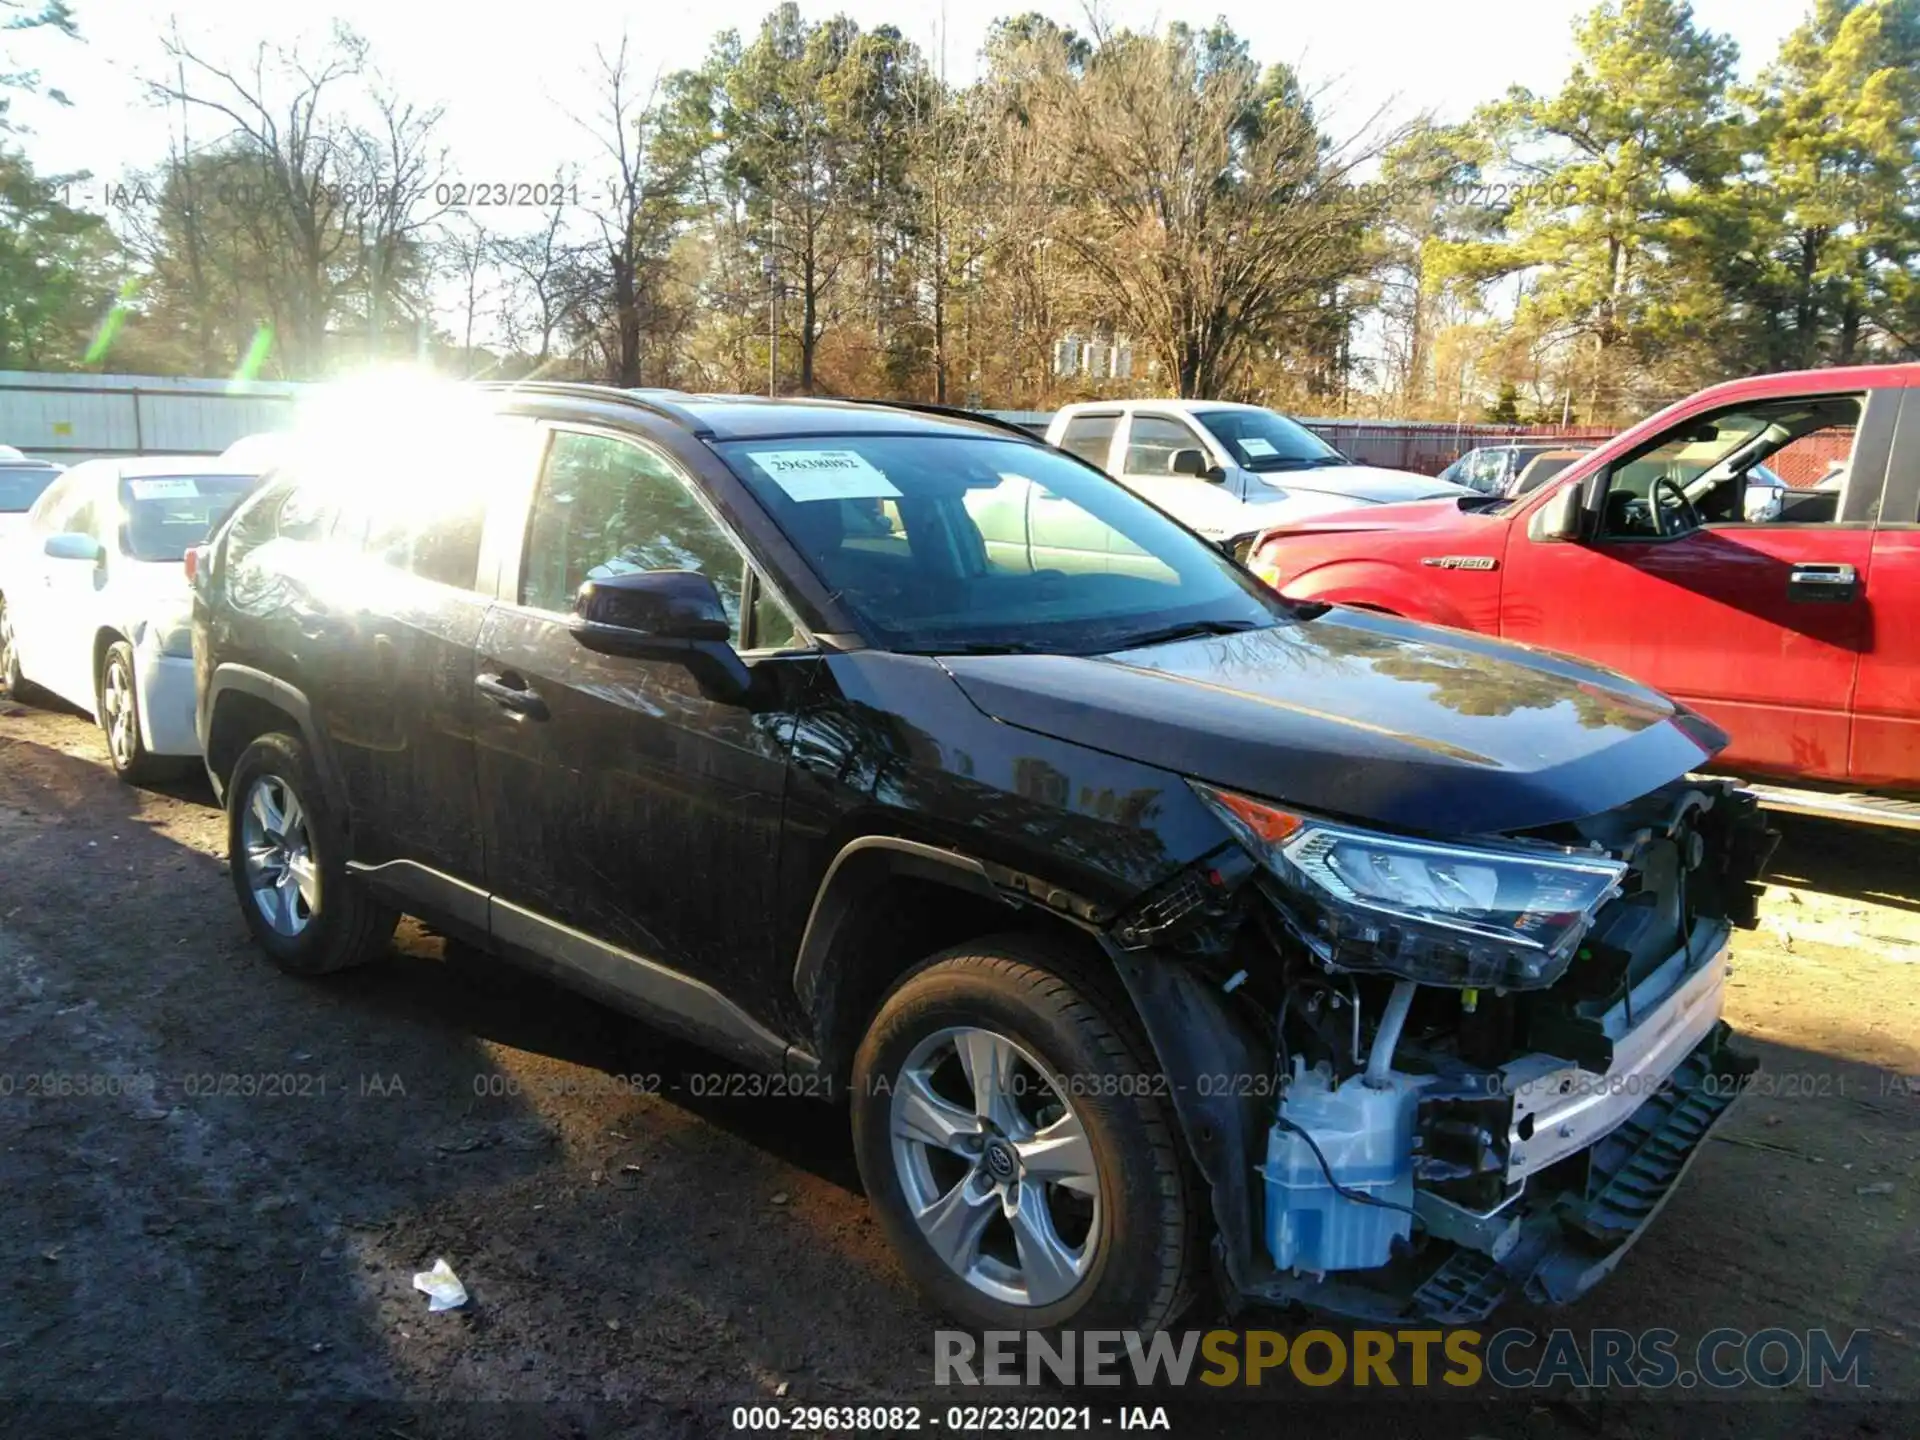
825,475
1256,447
163,489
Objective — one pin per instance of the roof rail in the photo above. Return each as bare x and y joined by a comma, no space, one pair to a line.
656,402
952,412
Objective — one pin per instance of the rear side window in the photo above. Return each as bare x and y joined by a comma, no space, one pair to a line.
420,505
439,541
608,507
1090,437
253,522
306,512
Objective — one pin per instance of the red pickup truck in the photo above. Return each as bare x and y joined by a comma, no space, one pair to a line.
1789,615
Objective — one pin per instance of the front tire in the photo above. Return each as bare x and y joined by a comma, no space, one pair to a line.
12,683
287,854
1021,1158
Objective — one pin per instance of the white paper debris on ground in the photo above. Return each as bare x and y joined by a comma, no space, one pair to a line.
443,1288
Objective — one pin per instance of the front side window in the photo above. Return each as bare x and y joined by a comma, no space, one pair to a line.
1153,441
51,511
1775,462
1262,440
85,520
606,506
167,515
991,544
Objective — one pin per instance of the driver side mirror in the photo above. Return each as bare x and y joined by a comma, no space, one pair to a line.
671,615
1194,462
72,545
1761,502
1560,518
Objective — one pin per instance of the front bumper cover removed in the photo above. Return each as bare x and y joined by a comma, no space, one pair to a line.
1560,1236
1564,1248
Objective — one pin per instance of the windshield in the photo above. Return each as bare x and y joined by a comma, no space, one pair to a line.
944,543
169,514
1262,440
21,485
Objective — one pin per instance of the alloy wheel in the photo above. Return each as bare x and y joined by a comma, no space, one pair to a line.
9,653
118,716
277,850
996,1167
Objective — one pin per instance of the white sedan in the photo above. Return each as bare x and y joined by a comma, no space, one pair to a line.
95,605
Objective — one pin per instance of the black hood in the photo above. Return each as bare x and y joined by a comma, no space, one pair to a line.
1363,716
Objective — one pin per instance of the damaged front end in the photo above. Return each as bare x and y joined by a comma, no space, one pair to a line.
1424,1077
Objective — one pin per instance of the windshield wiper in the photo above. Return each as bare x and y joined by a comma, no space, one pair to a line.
985,647
1188,631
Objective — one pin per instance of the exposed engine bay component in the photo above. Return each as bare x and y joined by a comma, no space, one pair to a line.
1339,1178
1493,1059
1178,910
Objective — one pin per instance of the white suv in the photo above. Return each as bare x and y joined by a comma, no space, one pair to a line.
1229,471
94,599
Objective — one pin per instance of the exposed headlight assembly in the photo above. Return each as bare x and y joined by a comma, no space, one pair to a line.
1491,914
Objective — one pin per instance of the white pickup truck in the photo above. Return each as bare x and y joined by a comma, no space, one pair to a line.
1229,471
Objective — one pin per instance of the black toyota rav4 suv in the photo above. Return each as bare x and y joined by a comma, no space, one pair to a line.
1151,925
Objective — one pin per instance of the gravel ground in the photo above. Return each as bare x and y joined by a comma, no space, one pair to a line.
236,1220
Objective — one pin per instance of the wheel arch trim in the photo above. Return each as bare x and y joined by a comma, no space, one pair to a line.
235,679
862,866
861,869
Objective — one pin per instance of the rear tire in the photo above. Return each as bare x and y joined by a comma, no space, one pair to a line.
118,705
1089,1128
287,854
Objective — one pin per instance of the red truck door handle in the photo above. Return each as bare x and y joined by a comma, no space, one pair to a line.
1817,583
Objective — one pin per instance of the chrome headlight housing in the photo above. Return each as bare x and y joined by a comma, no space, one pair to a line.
1490,913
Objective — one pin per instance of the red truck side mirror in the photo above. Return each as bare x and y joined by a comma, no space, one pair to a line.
1560,517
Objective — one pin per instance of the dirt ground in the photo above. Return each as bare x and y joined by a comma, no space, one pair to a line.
224,1241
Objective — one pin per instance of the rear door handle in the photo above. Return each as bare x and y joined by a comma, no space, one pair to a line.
1816,582
511,693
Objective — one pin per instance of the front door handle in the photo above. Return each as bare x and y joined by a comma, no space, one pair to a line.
512,694
1816,583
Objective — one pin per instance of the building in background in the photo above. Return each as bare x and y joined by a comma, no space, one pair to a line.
69,418
1093,356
